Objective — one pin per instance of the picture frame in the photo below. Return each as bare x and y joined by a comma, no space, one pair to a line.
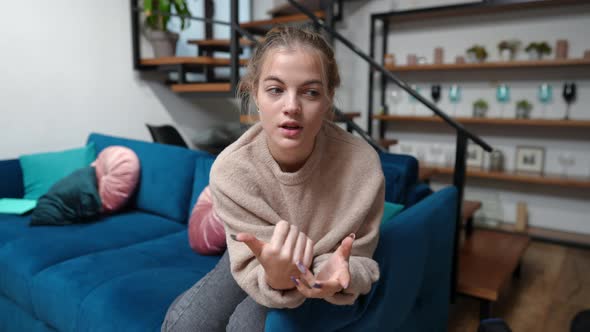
474,156
530,159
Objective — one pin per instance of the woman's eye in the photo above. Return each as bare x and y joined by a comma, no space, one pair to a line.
274,91
312,93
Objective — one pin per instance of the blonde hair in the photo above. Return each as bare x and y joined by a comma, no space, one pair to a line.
289,37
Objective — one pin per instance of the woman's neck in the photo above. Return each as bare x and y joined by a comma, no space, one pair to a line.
289,161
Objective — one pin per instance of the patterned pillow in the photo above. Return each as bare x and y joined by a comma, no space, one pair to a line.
117,175
206,234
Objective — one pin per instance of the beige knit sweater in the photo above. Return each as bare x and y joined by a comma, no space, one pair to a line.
339,190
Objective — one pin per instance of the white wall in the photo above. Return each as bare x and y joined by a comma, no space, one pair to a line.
66,70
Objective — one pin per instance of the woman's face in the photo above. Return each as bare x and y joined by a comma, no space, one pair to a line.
292,101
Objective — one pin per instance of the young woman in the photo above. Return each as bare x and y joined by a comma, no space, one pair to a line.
301,198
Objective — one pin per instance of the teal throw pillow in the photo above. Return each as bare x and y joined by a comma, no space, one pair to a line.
43,170
73,199
390,210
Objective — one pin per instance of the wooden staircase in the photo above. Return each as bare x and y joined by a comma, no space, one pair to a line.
204,62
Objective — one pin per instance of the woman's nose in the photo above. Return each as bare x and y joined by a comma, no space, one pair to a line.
292,104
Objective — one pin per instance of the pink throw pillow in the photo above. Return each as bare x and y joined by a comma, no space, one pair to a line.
117,174
206,234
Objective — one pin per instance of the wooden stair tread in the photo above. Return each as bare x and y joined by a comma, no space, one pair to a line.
288,9
279,20
190,60
201,87
469,208
347,116
425,173
487,260
387,142
218,42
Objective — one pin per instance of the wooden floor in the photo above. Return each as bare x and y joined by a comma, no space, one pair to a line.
553,287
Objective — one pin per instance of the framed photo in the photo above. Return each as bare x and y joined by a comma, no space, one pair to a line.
530,159
474,156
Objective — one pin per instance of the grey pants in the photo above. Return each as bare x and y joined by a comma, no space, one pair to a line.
215,303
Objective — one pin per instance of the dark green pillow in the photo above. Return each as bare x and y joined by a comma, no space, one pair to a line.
73,199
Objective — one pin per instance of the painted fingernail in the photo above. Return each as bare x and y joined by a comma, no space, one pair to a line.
295,280
352,235
317,285
233,237
301,268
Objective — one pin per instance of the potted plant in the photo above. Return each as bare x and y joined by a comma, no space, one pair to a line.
537,50
156,24
477,53
508,49
480,108
523,109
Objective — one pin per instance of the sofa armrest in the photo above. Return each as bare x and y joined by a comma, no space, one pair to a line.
11,179
417,193
415,255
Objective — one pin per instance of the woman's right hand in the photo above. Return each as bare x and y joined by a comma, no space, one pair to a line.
288,246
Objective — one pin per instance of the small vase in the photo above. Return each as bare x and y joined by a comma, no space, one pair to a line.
523,113
534,55
506,55
163,42
472,58
479,112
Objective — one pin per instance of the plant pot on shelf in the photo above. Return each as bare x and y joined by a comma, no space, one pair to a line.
534,55
479,112
163,42
507,55
523,109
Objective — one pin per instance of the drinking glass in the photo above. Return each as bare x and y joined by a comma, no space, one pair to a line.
455,97
545,95
569,95
502,96
566,160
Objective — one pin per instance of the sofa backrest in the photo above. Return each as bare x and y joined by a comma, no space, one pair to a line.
401,175
167,172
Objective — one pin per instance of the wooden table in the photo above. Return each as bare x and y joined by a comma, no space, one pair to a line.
487,261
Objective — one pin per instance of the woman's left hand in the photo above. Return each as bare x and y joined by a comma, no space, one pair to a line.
334,276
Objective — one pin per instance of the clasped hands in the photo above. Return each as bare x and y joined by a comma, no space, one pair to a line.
287,259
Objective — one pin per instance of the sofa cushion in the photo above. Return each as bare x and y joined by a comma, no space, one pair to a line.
206,234
126,289
14,318
117,175
11,177
165,185
25,251
73,199
42,170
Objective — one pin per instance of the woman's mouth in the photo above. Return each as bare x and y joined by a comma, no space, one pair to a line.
290,130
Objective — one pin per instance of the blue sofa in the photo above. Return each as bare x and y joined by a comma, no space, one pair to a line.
122,272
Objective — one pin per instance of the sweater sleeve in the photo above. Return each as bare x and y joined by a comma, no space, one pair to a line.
242,209
364,271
